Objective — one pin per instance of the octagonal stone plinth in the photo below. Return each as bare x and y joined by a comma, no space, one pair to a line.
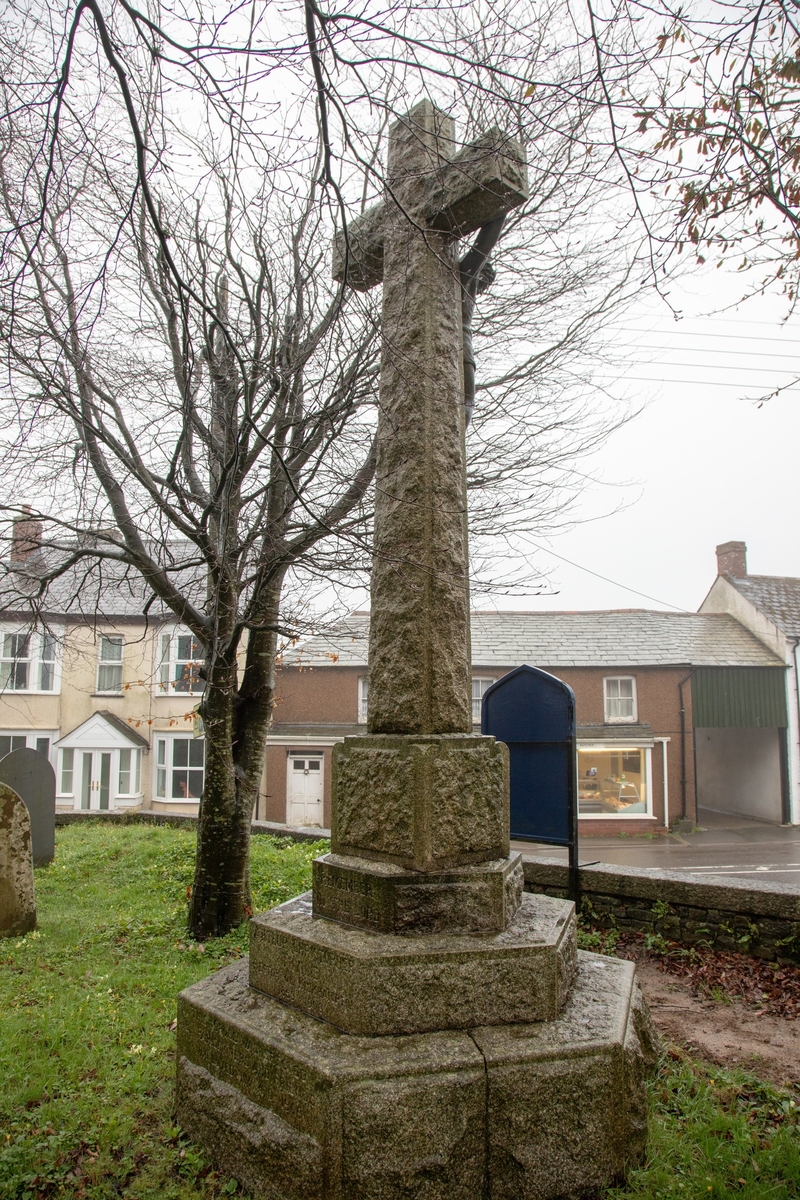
425,803
297,1110
375,984
385,898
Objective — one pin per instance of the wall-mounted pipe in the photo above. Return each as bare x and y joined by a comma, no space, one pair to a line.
685,680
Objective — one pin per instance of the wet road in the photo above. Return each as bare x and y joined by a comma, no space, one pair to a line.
722,845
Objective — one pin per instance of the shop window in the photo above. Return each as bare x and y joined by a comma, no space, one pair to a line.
620,699
613,782
109,667
479,686
180,768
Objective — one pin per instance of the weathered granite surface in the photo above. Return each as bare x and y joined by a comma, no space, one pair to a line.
17,900
427,803
419,665
377,984
298,1110
350,1063
480,898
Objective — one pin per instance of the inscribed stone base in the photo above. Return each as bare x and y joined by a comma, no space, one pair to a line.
297,1110
375,984
17,901
385,898
426,803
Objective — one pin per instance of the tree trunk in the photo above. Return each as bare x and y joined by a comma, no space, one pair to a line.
236,722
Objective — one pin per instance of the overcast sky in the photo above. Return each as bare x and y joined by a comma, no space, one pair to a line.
703,464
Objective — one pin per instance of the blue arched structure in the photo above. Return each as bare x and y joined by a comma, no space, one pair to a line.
534,714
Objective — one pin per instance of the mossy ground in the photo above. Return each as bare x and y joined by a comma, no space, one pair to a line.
87,1009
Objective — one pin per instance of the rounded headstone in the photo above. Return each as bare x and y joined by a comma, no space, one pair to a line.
29,773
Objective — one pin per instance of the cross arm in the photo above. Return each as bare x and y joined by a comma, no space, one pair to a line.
484,181
363,250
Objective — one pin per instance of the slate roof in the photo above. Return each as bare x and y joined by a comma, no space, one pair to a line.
93,589
776,596
620,638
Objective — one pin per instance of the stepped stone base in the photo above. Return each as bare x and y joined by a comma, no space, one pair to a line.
298,1110
375,984
479,898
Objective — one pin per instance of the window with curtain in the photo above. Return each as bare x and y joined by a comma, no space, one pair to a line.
109,667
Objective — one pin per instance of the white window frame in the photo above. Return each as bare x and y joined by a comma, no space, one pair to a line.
168,661
480,684
363,696
164,762
73,754
608,700
30,737
110,662
66,755
133,758
645,748
39,642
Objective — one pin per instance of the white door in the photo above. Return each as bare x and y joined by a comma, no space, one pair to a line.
304,790
95,778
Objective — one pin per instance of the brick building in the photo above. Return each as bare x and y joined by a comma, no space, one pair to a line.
635,676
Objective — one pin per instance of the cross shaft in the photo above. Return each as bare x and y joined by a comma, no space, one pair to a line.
419,668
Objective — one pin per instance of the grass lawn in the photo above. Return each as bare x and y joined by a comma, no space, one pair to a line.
87,1007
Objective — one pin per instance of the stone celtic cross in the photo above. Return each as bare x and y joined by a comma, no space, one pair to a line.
403,1029
419,657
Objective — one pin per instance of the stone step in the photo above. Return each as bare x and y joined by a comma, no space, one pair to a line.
298,1110
374,984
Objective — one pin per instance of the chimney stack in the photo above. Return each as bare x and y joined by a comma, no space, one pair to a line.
26,537
732,559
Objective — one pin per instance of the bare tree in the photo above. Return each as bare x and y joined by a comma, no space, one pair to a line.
189,390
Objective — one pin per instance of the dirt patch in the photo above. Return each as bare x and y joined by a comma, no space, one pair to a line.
729,1034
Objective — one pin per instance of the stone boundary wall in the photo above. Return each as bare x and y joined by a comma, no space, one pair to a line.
752,918
181,821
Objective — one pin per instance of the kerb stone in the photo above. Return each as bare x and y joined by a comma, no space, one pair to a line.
17,900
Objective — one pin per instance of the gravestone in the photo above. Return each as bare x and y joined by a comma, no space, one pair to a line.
17,901
29,773
416,1026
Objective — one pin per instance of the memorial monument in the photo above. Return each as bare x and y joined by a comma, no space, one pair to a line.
415,1026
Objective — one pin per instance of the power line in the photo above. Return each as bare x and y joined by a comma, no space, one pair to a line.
724,367
597,575
698,382
736,337
704,350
